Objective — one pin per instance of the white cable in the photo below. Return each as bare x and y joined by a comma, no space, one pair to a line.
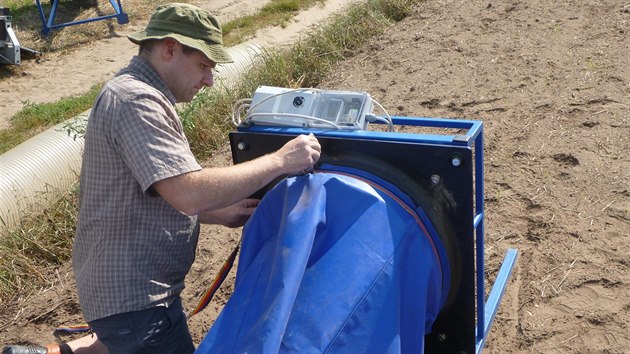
308,118
390,122
384,120
237,108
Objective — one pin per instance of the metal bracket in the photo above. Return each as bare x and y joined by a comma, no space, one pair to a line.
9,45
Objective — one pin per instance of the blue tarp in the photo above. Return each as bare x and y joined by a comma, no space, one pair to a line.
331,263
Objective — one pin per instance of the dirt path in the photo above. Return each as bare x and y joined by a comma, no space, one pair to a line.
57,76
551,82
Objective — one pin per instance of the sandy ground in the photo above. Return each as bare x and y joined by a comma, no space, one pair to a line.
551,82
57,76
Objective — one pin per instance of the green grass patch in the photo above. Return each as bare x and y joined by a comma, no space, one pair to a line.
41,243
274,13
19,7
35,118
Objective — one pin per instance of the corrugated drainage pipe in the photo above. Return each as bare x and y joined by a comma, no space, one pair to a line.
33,174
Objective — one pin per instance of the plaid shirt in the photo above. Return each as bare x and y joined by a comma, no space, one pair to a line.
132,250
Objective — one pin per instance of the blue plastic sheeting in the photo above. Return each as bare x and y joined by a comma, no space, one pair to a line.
330,263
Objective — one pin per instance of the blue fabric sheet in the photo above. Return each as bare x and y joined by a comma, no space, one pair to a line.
330,264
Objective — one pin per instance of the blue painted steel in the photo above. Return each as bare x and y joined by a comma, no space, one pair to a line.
478,219
48,22
471,138
479,233
474,128
496,294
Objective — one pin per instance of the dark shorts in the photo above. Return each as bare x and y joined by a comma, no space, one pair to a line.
155,330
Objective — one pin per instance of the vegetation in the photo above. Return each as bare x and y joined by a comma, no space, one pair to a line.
27,23
34,118
44,241
30,253
274,13
18,7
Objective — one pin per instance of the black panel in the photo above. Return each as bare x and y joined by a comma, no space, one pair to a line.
448,204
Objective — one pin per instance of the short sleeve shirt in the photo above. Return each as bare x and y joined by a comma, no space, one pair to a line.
132,249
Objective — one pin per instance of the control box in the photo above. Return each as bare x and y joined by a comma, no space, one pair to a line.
309,108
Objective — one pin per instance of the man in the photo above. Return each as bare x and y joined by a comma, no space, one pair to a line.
143,194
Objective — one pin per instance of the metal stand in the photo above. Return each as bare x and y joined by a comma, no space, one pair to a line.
452,168
49,22
9,46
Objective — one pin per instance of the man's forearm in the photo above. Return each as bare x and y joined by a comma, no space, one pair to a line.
218,187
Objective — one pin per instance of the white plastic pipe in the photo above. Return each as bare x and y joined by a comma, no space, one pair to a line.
34,173
244,55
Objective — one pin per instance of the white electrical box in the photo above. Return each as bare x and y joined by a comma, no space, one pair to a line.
309,108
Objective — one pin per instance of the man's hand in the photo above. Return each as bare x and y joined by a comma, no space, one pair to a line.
196,192
299,154
233,216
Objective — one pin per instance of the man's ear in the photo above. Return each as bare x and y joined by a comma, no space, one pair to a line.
169,47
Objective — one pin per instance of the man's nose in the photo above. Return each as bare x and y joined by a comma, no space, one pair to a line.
208,79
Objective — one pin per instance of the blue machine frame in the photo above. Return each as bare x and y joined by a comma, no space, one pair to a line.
470,141
48,22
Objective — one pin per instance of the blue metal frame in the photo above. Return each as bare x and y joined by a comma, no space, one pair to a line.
48,22
494,299
472,138
474,129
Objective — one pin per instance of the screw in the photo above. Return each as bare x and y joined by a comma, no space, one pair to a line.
456,161
435,179
242,145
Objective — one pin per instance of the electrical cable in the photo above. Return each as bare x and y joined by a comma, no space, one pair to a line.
308,118
237,108
390,122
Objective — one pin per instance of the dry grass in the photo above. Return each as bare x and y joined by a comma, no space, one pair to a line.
38,245
28,25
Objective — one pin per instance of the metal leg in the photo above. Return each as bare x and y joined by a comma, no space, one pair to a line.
48,22
494,299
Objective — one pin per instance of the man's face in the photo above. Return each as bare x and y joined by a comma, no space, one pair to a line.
189,73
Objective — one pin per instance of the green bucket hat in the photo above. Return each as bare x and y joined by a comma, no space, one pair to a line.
189,25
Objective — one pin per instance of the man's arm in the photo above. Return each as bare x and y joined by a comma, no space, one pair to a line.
217,188
233,216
